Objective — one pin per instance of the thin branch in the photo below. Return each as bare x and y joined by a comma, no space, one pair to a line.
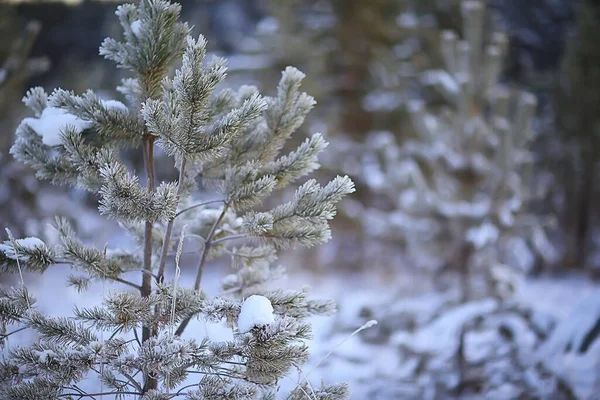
199,205
232,237
80,396
126,282
132,381
367,325
216,374
207,245
183,388
193,236
202,263
5,335
118,330
137,338
143,271
167,237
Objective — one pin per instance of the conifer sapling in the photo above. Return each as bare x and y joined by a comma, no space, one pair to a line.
226,146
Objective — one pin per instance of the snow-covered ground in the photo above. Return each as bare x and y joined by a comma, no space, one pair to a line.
370,360
373,365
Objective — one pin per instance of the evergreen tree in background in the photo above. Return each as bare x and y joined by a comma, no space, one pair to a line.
226,146
462,188
364,58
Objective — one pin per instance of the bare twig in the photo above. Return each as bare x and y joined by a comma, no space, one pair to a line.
202,263
167,238
199,205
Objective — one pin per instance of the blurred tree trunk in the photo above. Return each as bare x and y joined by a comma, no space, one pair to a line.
577,107
17,185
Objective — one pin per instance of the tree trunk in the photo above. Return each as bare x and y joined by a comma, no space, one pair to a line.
584,210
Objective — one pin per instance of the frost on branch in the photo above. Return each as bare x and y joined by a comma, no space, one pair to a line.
227,147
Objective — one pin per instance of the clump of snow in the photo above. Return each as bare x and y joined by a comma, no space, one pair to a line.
28,243
446,82
256,311
483,235
407,20
114,105
136,27
45,354
267,26
51,123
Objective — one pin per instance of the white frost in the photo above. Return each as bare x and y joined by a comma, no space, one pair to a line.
52,121
256,311
136,27
28,243
114,105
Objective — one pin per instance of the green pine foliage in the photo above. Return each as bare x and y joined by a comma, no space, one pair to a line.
226,146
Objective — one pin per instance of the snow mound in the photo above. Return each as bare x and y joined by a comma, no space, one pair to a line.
572,351
114,105
28,243
441,336
51,123
136,27
256,311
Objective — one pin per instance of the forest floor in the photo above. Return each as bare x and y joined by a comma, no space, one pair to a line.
369,360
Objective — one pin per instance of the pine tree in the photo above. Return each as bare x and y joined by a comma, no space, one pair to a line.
226,146
463,186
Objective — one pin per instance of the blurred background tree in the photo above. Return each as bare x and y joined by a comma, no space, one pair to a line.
364,60
18,200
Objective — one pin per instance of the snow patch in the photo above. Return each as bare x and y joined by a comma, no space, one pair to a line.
441,336
136,27
256,311
45,354
28,243
52,122
114,105
483,235
407,20
267,26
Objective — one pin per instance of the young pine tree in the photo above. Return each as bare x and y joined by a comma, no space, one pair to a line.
226,147
462,186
